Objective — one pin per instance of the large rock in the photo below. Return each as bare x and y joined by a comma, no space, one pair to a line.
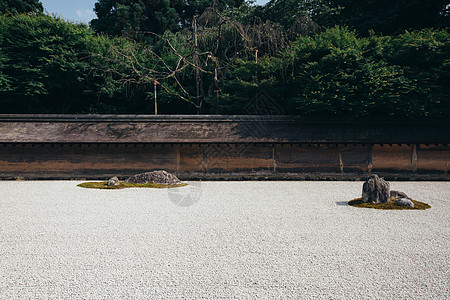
375,190
161,177
113,181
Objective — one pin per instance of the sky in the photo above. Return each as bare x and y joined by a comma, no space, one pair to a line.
80,10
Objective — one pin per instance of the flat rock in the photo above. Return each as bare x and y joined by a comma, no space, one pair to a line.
397,194
405,202
113,181
160,177
375,190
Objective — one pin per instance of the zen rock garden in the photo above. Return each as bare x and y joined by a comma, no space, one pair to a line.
376,193
155,179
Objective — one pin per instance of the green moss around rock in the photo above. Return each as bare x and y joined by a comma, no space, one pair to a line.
389,205
103,185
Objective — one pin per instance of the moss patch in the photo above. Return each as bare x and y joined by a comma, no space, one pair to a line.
389,205
103,185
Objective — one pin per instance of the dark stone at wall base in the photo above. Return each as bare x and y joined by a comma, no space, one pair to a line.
113,182
375,190
160,177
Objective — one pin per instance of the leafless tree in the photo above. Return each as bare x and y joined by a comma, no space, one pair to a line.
203,51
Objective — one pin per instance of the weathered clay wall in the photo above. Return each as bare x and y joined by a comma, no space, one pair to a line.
219,147
225,161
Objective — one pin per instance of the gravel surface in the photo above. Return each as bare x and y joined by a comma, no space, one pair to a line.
214,240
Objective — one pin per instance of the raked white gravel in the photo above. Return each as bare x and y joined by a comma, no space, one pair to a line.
242,240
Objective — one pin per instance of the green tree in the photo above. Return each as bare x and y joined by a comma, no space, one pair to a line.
338,74
391,17
287,12
336,77
424,57
245,80
119,17
5,81
20,6
197,7
41,60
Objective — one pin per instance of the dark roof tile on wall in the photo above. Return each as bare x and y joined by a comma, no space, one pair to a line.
209,129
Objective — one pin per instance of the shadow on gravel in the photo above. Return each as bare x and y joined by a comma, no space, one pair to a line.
342,203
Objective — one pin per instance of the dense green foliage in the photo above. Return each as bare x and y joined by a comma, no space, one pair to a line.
286,12
392,17
40,61
236,57
117,17
344,75
381,16
48,65
20,6
335,73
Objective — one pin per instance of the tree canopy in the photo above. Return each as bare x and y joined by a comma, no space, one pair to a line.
287,12
321,62
382,16
118,17
391,17
21,6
